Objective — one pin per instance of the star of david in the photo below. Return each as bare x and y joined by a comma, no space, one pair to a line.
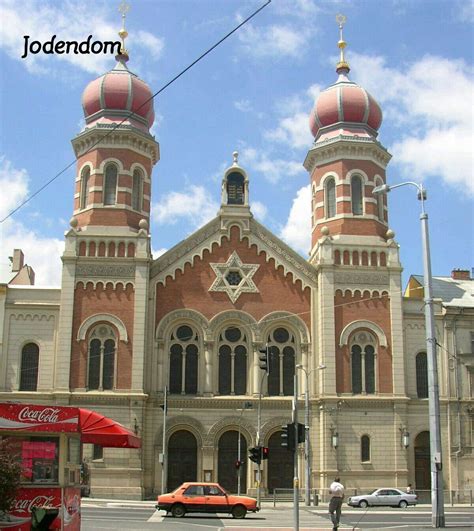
234,277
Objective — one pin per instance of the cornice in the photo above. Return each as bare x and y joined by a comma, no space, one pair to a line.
122,137
346,147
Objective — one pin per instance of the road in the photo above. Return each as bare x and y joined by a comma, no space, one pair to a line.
113,515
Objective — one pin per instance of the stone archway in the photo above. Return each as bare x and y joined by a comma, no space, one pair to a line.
422,466
182,459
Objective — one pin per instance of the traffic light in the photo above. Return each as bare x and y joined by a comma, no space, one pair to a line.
288,437
255,454
264,358
264,453
301,432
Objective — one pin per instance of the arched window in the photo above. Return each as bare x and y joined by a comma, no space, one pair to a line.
282,362
184,349
85,187
235,188
101,367
232,362
380,210
29,367
110,185
365,449
137,190
422,375
330,198
363,365
356,195
228,452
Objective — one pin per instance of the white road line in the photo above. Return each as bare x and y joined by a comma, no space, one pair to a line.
156,517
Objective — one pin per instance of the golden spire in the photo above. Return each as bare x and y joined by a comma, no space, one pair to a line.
342,64
123,34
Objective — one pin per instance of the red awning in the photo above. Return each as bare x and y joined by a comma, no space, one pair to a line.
100,430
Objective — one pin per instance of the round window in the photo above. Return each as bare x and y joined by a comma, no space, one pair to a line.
232,334
184,333
281,335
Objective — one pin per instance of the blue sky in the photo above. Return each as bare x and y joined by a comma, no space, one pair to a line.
253,94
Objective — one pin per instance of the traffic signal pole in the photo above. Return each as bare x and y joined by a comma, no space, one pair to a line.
259,422
296,481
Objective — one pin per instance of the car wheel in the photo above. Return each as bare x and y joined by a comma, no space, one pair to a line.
178,510
239,511
403,504
363,504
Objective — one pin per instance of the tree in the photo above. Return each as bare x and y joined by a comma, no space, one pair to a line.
10,475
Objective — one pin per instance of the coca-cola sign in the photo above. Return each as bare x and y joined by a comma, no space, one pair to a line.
47,414
38,418
25,504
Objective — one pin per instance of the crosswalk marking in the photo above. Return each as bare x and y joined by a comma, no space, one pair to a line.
156,517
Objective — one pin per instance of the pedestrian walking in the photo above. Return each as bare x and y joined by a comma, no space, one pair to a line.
336,490
409,489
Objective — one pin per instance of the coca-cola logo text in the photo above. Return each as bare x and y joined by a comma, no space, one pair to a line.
47,414
37,501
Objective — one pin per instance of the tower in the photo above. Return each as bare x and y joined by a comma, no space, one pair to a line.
107,252
357,307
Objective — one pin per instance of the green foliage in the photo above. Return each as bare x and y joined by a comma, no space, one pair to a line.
10,475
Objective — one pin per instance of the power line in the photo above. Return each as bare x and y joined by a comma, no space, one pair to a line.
164,87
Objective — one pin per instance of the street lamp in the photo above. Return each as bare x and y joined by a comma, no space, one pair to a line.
437,501
245,405
306,439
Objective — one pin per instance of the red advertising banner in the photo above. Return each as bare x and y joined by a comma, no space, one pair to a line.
28,417
69,511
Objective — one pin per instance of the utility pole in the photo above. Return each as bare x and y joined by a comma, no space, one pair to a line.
296,481
164,456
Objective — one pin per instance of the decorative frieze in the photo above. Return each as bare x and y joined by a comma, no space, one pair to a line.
86,271
361,278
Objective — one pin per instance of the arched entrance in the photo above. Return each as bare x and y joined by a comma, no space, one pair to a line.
227,473
182,459
422,466
280,465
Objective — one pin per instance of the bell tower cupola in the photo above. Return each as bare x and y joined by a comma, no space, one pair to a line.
115,151
346,161
235,189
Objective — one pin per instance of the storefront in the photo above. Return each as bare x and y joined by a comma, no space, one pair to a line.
48,441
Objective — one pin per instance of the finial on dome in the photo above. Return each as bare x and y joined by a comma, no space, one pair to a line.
123,34
342,66
235,156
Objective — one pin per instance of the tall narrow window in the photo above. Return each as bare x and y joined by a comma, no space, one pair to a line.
380,207
101,366
282,362
422,375
110,185
29,367
365,449
85,187
184,349
137,190
356,195
233,353
330,198
363,363
235,188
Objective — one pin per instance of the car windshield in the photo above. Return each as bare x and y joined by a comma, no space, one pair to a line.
374,491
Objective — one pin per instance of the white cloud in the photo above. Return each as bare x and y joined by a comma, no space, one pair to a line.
293,126
158,252
273,169
259,210
42,20
297,230
276,41
430,101
195,205
41,253
243,105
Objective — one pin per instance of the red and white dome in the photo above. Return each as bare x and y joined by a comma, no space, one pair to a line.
345,103
114,95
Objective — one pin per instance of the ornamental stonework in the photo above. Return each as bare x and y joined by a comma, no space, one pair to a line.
107,271
361,278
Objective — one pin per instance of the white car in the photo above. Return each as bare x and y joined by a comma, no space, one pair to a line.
391,497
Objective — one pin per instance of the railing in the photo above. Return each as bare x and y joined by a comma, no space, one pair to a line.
451,497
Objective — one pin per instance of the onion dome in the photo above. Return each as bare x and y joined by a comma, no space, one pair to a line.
345,104
113,96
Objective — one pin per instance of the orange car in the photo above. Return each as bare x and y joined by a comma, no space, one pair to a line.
205,498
